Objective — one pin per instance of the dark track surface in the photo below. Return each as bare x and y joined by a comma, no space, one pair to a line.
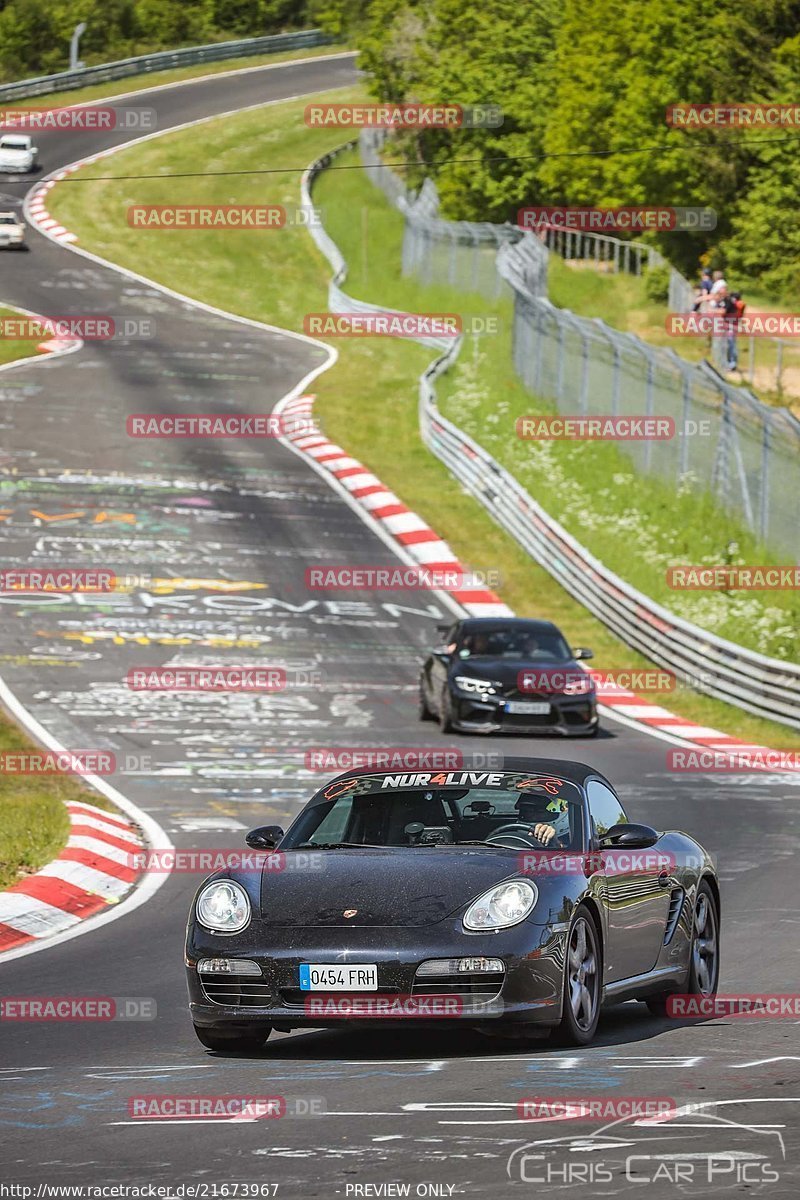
417,1108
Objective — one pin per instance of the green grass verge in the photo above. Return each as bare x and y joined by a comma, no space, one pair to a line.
368,402
14,348
34,824
118,87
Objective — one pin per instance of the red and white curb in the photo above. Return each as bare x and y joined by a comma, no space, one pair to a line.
37,208
91,873
414,537
408,530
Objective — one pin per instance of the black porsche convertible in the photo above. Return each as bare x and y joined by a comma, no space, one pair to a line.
517,901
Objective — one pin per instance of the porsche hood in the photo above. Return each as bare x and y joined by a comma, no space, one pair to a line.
390,888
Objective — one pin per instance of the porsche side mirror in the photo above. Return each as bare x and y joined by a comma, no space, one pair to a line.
266,837
629,836
582,652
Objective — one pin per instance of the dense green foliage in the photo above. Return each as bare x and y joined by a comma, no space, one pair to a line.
35,34
574,78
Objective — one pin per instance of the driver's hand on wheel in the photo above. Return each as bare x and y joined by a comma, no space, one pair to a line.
544,833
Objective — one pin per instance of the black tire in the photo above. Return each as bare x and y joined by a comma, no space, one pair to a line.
703,977
446,713
576,1029
234,1039
423,712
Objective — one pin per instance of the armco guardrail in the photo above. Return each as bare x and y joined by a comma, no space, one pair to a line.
763,686
162,60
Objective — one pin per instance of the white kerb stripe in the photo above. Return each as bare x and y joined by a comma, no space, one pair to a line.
89,879
33,916
95,846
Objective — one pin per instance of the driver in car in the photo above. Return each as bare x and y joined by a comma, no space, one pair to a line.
547,816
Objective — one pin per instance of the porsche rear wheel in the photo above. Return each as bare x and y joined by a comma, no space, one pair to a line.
233,1039
703,954
582,975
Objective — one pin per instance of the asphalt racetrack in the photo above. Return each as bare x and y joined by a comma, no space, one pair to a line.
365,1112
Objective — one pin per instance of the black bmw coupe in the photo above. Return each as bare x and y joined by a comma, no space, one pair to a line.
516,901
507,674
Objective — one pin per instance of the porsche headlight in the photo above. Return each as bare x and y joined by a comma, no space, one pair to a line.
483,687
503,906
223,906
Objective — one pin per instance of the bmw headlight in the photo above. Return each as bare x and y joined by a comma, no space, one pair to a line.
578,685
483,687
505,905
223,906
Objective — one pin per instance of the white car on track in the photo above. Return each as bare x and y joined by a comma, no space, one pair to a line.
18,155
12,232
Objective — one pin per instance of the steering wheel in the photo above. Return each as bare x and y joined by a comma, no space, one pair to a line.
519,834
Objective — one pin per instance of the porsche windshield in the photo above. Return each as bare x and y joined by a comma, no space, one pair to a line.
518,812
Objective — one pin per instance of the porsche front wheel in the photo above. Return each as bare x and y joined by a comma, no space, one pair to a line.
581,982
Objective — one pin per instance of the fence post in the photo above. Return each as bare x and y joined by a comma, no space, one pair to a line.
584,401
763,492
687,405
648,408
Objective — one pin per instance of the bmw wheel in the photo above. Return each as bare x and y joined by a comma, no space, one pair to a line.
446,713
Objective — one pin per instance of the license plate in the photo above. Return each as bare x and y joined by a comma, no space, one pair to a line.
532,708
323,977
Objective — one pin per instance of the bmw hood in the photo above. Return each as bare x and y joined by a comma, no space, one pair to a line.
394,887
